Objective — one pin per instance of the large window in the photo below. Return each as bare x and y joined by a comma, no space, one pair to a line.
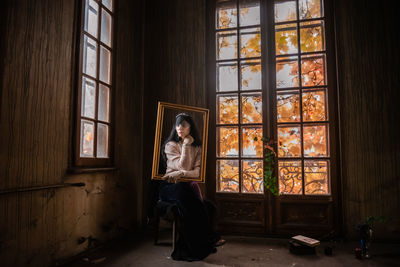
239,98
299,88
301,98
95,84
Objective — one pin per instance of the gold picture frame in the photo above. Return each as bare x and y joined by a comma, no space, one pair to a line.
166,114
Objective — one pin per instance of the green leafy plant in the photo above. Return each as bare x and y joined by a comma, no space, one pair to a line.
270,181
370,220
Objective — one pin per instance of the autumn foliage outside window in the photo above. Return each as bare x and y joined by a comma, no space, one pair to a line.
302,121
301,98
239,97
95,84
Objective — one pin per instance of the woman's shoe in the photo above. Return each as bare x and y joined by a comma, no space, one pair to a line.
220,242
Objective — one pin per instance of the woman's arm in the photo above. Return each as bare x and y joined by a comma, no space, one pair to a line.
197,163
176,160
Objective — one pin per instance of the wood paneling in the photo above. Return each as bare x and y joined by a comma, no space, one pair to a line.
128,102
39,228
36,92
368,60
175,68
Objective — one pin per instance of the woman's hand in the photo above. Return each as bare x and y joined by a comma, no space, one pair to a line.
188,140
172,177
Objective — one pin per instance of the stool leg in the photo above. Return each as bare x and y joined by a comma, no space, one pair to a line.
156,225
173,234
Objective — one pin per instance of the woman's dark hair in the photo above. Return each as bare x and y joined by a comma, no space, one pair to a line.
173,136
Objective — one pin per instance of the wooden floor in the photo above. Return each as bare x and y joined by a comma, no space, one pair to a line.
238,251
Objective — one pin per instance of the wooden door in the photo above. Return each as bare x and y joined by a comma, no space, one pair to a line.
272,73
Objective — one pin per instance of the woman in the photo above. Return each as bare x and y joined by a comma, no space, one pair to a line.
182,152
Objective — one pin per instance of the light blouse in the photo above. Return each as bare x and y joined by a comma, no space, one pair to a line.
183,157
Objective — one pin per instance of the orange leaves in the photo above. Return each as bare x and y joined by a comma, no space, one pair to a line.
311,38
228,109
314,106
224,20
309,9
288,107
316,177
252,109
228,175
289,142
227,18
252,176
290,178
312,71
250,147
228,141
252,45
286,39
315,144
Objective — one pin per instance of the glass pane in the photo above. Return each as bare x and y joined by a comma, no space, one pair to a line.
226,15
290,180
253,174
227,109
227,76
316,177
105,65
285,11
250,40
312,36
251,148
315,141
91,17
88,97
288,106
89,56
108,4
251,108
313,70
102,140
289,141
106,27
314,106
250,74
104,103
228,141
87,138
287,72
249,12
227,45
228,175
286,39
310,9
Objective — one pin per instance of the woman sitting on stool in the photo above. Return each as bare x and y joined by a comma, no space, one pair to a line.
182,152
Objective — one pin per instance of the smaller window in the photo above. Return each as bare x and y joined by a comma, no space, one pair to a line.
95,85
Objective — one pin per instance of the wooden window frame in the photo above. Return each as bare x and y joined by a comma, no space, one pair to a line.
272,220
94,162
239,93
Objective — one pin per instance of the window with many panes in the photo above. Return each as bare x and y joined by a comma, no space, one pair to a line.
301,124
239,98
301,97
95,84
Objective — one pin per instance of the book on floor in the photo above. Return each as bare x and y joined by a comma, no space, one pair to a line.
306,240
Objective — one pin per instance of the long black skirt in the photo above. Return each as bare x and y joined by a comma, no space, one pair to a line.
196,236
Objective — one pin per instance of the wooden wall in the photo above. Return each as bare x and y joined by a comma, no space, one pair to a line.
369,84
40,227
161,50
175,68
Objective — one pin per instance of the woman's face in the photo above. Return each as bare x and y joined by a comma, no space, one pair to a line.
183,129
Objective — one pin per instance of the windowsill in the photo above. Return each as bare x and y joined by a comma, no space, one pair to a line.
80,170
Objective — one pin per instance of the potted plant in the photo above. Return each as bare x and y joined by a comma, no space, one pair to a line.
365,231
